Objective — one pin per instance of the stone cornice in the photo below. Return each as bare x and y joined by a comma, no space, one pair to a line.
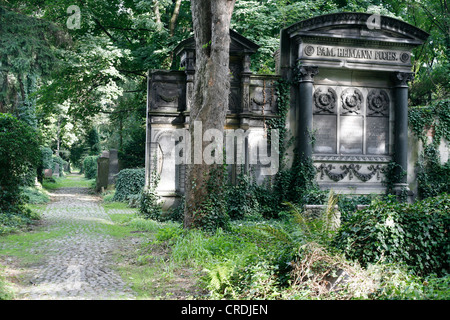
357,20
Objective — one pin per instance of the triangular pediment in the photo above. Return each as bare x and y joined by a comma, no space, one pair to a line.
238,44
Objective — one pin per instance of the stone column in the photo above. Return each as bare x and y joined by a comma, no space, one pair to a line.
401,80
305,77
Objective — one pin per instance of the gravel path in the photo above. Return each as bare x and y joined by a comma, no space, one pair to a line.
77,265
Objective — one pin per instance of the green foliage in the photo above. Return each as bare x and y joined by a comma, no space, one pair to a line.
279,123
414,234
347,204
19,151
58,160
93,141
150,206
47,160
5,291
90,167
242,202
399,284
24,58
19,219
432,176
434,117
35,196
211,213
394,173
132,154
129,182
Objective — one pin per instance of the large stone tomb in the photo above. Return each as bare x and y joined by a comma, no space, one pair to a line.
349,101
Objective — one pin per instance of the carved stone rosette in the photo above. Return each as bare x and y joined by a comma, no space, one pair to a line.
378,103
351,101
325,101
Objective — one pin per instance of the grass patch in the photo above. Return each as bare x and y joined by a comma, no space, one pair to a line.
5,291
20,244
34,195
68,181
116,206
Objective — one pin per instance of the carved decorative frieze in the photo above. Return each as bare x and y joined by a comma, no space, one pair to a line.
351,101
378,103
362,158
350,170
325,101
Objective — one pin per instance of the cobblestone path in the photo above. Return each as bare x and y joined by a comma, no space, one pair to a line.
77,264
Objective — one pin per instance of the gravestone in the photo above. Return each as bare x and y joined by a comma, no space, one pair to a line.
48,173
102,173
113,166
349,102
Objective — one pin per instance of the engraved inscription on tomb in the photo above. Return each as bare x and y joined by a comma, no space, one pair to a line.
377,135
351,135
324,127
356,53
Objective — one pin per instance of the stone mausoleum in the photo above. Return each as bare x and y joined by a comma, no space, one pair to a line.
349,75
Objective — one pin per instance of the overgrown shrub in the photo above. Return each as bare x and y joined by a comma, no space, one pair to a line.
433,177
242,202
149,206
90,167
211,211
58,160
132,154
347,204
47,160
35,196
129,182
19,151
414,234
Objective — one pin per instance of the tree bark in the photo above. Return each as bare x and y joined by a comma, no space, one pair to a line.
173,19
211,22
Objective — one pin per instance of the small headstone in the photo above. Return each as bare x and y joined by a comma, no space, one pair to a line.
113,166
102,173
48,173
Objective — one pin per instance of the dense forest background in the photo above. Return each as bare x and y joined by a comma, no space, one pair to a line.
75,70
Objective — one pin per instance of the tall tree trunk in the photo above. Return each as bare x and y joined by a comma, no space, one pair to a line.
157,14
211,21
173,19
